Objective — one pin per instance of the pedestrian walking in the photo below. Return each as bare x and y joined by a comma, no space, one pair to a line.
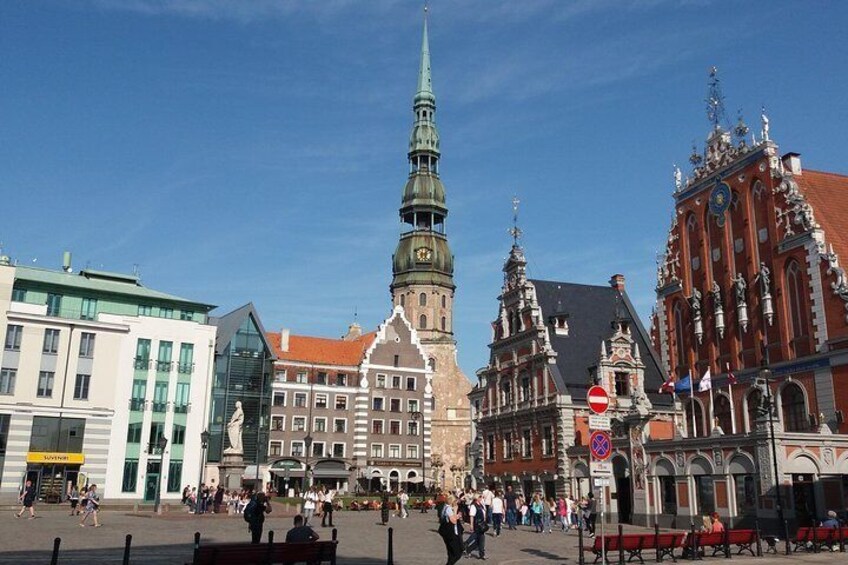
549,513
477,520
27,500
537,506
497,512
450,528
327,513
310,499
254,515
403,501
591,514
74,497
91,507
384,509
511,500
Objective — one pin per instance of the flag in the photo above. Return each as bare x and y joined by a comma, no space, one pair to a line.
706,382
667,387
731,379
683,385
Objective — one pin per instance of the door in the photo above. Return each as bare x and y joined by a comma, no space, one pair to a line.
804,497
151,482
624,499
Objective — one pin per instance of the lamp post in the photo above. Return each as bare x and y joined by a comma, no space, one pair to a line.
162,443
260,447
307,441
204,444
765,374
419,417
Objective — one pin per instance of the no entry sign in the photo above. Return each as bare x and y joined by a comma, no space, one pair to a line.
600,445
598,399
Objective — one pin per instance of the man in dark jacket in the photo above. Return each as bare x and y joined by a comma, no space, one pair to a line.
27,498
255,516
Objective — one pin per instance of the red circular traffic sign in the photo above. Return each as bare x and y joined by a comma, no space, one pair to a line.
600,445
598,399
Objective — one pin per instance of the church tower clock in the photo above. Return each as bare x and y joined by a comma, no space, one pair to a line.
422,282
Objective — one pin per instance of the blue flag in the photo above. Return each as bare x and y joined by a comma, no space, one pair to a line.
683,385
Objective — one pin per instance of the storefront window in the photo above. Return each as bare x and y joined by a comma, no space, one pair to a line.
705,489
746,497
62,435
668,495
175,476
130,475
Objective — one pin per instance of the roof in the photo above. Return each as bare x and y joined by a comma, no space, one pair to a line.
229,324
591,310
99,281
322,350
827,193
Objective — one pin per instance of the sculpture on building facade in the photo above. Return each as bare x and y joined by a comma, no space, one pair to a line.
718,310
695,305
234,429
740,286
764,278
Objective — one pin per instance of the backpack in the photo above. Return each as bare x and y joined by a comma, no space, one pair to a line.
249,511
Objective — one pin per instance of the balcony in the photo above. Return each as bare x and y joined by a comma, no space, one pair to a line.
182,408
164,366
160,406
185,368
137,404
141,364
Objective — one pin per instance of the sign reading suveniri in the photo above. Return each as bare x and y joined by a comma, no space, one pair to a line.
50,457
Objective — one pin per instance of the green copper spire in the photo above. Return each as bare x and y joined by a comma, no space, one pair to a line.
425,79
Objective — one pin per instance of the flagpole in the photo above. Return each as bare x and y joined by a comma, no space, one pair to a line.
732,408
712,411
692,399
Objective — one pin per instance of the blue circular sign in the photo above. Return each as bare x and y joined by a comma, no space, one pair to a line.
600,445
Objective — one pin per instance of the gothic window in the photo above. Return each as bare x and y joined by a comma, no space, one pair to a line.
444,301
721,411
794,409
422,299
403,300
692,237
678,338
444,323
795,302
422,322
753,402
432,363
622,384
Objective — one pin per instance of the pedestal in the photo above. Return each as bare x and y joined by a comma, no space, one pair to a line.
230,470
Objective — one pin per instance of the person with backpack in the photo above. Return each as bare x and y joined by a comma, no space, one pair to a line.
450,528
479,526
254,515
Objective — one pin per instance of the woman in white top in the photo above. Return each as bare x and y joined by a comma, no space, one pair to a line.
497,511
309,500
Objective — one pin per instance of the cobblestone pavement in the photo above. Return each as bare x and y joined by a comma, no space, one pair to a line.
362,541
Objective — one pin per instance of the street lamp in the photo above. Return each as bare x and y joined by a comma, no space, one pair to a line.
416,417
162,443
765,374
260,447
204,444
307,441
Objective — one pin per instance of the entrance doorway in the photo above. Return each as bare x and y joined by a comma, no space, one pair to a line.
804,496
151,480
623,492
52,481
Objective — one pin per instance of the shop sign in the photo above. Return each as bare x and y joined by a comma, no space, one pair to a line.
60,458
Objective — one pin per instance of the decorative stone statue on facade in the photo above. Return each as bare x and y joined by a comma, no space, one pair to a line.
764,278
697,322
234,429
718,310
678,178
739,287
765,121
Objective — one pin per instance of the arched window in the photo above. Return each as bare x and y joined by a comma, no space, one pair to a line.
403,300
795,301
444,301
678,338
794,409
755,398
422,299
432,363
721,410
444,323
699,419
422,322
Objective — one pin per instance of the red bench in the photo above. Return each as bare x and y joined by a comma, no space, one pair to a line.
744,540
265,553
814,539
635,544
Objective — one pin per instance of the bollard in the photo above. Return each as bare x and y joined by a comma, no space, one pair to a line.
842,539
580,558
390,559
815,538
759,537
786,536
127,544
196,546
270,536
55,558
657,541
726,544
335,534
693,545
620,545
269,554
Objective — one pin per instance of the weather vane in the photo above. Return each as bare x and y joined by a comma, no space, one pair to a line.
715,100
515,231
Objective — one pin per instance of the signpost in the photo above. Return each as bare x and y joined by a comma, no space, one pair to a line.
597,422
600,445
598,399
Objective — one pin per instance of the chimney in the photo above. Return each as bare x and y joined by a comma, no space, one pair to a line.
792,162
617,282
66,262
284,339
354,331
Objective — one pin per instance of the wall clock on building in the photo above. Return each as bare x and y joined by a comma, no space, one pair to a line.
719,201
423,254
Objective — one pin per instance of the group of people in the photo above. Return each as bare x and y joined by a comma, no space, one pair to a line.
85,501
318,500
215,500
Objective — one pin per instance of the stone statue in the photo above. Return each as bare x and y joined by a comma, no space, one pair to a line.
765,120
695,303
678,178
234,428
765,278
740,286
716,291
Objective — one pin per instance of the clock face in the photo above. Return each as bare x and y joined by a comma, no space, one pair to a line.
423,254
720,200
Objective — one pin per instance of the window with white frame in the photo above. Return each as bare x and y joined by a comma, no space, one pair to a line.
412,428
319,425
340,425
338,449
526,443
490,447
300,377
376,450
396,381
341,379
279,399
296,449
412,405
300,399
318,449
548,440
275,448
280,375
394,427
377,427
378,403
299,423
278,423
410,383
411,451
320,401
394,404
321,378
381,381
341,402
507,445
394,451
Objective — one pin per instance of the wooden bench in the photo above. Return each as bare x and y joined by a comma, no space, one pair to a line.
265,553
814,539
635,544
720,542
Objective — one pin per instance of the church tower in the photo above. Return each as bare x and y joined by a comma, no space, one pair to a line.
422,281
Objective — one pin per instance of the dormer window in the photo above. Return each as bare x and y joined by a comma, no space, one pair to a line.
559,324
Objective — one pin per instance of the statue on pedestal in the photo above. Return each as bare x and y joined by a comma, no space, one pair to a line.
234,428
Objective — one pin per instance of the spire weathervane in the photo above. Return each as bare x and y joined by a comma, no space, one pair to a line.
715,100
515,231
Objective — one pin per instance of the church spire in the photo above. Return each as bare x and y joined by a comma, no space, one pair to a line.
425,80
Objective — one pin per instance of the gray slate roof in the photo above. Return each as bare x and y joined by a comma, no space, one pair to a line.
591,310
229,324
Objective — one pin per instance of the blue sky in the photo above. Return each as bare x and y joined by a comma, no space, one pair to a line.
256,151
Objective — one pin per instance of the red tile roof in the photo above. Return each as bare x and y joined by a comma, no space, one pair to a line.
827,193
321,350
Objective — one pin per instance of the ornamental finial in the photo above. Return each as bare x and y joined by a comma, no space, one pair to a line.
715,100
515,231
765,123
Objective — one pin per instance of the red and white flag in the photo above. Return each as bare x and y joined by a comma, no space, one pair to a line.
731,378
667,387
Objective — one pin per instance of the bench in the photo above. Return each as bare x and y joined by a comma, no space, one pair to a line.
634,544
719,541
814,539
265,553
